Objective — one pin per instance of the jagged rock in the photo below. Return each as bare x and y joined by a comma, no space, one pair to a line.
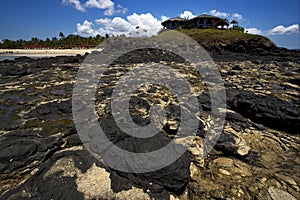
232,144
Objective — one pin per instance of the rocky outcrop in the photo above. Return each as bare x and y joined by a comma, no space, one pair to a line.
267,110
256,156
255,48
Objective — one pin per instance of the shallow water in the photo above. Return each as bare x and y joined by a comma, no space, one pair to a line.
12,57
7,57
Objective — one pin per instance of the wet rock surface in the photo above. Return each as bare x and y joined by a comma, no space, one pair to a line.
256,156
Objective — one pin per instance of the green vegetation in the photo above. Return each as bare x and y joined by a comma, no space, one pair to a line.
69,42
223,23
209,37
234,23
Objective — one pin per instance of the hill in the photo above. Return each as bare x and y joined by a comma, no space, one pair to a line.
234,45
219,36
229,38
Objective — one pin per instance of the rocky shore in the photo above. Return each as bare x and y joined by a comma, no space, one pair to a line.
256,157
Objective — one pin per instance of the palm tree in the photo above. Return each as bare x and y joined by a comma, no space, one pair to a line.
234,23
223,22
61,35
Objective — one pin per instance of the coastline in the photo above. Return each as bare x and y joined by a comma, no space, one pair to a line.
43,52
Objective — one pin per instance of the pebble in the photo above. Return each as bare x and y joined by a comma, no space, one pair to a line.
223,171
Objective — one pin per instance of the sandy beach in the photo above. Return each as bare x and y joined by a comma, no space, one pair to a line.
43,52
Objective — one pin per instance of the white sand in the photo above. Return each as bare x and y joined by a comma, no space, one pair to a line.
43,52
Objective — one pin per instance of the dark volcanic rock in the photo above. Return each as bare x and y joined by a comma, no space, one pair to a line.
23,59
267,110
52,110
252,50
172,178
148,55
55,185
295,81
236,67
14,71
18,153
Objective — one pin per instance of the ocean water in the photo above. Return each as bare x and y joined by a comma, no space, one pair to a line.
12,57
7,57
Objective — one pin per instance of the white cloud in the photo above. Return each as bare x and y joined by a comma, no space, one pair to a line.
143,20
110,11
147,23
187,15
219,14
164,18
282,30
121,9
236,16
103,21
230,16
254,31
120,25
107,5
75,3
101,4
86,29
278,30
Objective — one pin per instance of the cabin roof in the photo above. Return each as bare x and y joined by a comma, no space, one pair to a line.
179,19
207,16
176,19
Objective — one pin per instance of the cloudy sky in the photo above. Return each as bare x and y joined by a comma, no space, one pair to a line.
277,19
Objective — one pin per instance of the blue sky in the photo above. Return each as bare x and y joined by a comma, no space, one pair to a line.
276,19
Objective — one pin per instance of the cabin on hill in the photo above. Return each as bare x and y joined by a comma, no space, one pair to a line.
205,21
201,21
173,23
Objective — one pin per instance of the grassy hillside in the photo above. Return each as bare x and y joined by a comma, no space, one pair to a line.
212,37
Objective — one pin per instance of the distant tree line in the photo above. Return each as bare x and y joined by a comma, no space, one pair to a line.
69,42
